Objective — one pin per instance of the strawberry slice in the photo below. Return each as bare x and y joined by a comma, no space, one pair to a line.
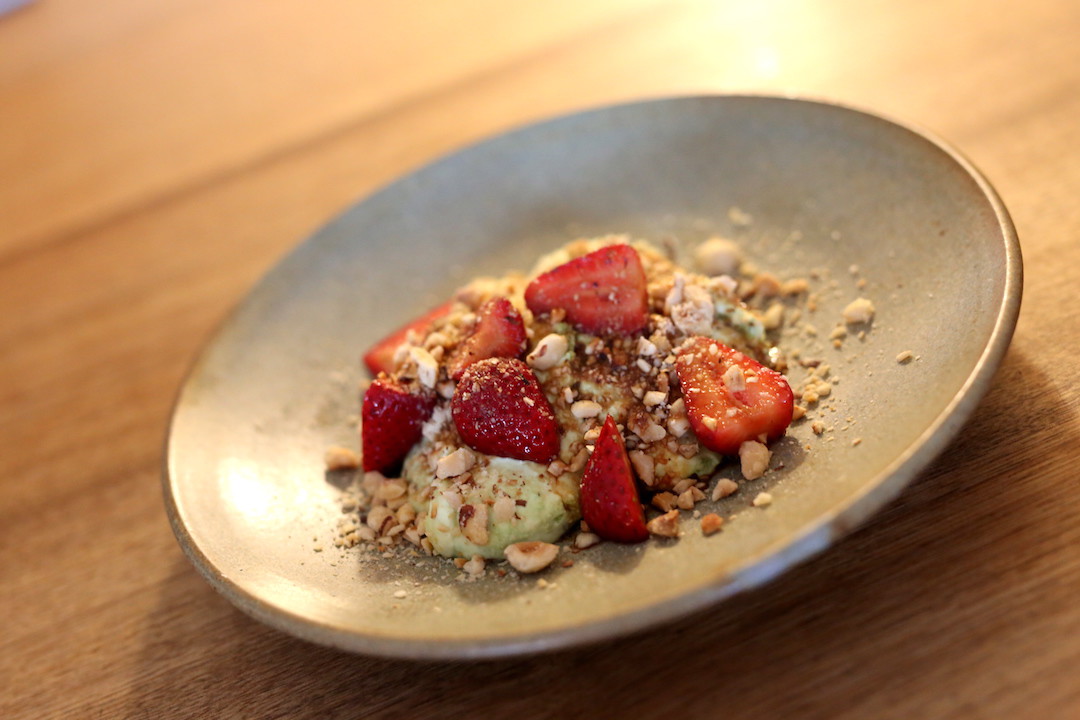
391,419
602,292
731,398
609,497
499,332
380,358
499,409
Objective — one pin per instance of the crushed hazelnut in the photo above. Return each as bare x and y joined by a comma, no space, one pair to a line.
711,523
583,409
531,556
754,459
455,463
860,310
723,488
718,256
549,352
666,525
664,501
339,458
644,466
762,499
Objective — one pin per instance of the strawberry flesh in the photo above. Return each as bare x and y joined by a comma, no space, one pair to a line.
380,358
727,406
601,292
499,332
391,421
609,497
499,409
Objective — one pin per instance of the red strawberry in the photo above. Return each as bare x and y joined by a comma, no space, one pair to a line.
731,398
391,418
499,409
499,332
602,292
609,498
380,358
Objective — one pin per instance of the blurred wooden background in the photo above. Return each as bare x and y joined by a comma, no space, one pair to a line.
157,157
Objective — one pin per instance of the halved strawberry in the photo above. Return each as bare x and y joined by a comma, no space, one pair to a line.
391,419
609,497
380,358
499,409
602,292
499,332
731,398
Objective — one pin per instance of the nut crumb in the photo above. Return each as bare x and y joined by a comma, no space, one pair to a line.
724,487
858,311
754,458
711,523
905,357
531,556
341,458
763,499
666,525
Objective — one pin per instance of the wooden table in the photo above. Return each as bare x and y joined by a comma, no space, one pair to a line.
157,157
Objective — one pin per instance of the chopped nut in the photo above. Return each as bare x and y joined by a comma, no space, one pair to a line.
717,256
763,499
455,463
682,485
666,525
664,501
380,519
645,428
583,409
686,499
405,514
427,366
798,412
549,352
473,521
653,398
531,556
579,460
504,509
339,458
723,488
711,523
644,466
773,317
754,459
645,347
586,540
734,378
795,286
905,357
391,489
859,311
475,566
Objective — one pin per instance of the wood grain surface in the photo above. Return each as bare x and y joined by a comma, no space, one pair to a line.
156,158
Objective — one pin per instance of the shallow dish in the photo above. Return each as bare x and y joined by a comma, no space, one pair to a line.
803,185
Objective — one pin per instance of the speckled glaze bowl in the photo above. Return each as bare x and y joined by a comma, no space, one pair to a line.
806,187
